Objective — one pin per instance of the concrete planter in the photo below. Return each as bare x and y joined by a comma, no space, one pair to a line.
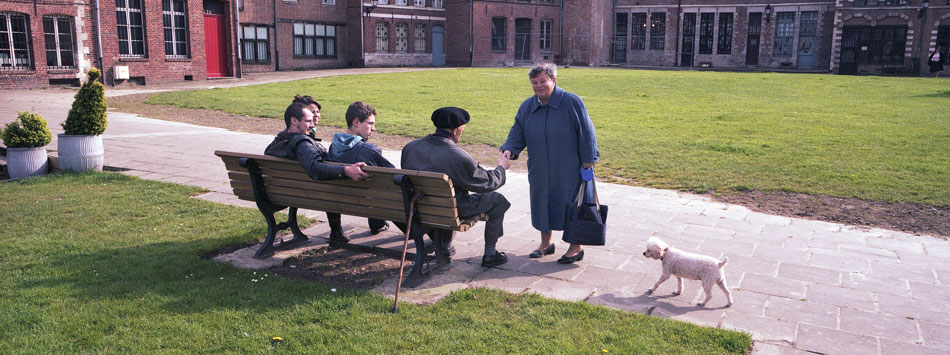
80,153
26,162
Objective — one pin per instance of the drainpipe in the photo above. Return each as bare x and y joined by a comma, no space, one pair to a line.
276,47
99,44
471,28
612,37
920,41
679,25
560,33
362,36
237,39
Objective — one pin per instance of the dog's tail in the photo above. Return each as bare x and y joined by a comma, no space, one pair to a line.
724,261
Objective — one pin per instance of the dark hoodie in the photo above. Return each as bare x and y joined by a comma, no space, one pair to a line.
311,155
351,148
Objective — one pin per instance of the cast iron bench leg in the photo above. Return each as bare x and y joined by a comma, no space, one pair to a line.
416,276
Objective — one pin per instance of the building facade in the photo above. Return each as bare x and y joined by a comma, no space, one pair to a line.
154,41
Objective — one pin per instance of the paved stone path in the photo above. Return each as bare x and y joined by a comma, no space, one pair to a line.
799,285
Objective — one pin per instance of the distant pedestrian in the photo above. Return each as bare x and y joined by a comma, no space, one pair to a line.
936,62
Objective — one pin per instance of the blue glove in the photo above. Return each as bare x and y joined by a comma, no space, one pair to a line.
587,174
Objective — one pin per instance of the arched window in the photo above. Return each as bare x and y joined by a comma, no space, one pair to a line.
382,37
419,36
402,37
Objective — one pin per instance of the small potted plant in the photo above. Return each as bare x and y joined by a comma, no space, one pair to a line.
80,146
25,139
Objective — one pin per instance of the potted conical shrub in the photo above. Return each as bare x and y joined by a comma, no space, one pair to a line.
80,146
26,138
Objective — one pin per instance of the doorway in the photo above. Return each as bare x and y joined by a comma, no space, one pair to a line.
215,36
437,58
752,41
522,39
807,45
689,37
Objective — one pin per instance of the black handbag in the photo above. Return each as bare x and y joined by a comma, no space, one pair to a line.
586,222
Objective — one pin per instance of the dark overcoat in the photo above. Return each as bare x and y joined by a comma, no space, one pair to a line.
559,137
439,153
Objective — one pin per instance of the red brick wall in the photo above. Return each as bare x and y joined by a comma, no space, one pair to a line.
39,74
465,46
155,67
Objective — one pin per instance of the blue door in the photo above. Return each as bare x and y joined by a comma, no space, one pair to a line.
807,43
437,58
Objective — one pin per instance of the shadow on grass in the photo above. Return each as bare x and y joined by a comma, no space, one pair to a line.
939,95
174,273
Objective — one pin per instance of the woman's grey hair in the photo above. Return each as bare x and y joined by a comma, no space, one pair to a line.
547,68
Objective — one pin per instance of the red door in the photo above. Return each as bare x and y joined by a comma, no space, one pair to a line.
214,45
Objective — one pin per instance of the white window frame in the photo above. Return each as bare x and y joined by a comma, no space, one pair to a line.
544,37
419,3
256,42
419,38
437,4
129,11
401,2
329,2
382,39
314,40
175,28
402,37
8,58
58,34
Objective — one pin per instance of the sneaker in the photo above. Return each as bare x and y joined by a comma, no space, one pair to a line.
337,236
494,260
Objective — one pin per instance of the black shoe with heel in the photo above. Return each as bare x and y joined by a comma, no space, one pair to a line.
539,253
571,259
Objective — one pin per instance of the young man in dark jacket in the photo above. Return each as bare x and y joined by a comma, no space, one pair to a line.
474,186
294,143
353,147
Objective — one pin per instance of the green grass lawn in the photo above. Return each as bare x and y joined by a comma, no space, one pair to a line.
107,263
879,138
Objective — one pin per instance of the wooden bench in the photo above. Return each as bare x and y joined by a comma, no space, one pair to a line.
276,183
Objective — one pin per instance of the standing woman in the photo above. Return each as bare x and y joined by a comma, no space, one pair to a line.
554,126
935,62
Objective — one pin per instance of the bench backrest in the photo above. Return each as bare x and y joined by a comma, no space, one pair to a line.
287,184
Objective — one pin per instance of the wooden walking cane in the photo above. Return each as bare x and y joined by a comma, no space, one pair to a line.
407,189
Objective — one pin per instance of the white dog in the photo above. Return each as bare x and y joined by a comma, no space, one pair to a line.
690,266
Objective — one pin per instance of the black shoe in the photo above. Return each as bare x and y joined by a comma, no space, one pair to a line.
337,236
430,248
375,231
539,253
494,260
571,259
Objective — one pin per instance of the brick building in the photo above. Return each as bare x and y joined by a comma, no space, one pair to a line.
153,41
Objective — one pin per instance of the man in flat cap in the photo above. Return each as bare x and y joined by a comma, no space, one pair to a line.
474,185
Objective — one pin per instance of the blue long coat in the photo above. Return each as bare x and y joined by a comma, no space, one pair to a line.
559,137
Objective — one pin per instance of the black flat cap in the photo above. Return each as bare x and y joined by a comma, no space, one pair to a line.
449,117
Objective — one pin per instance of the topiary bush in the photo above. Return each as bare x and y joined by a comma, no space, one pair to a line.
87,117
29,130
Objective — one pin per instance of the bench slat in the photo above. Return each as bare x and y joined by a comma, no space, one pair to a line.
349,209
377,197
376,182
393,195
264,161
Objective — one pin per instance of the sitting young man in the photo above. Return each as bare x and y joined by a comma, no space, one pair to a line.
353,147
474,186
294,143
